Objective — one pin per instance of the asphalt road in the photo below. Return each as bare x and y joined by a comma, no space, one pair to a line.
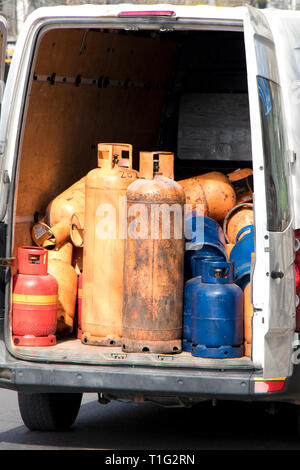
128,426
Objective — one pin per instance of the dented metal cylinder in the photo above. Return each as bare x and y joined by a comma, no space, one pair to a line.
104,239
67,203
65,253
248,314
59,266
153,267
77,229
51,238
212,192
240,216
242,182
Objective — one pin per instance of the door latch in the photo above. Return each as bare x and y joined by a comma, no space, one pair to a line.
277,274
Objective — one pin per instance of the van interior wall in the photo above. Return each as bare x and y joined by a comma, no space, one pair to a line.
211,64
65,122
135,83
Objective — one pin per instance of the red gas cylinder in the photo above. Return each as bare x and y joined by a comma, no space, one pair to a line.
34,300
79,306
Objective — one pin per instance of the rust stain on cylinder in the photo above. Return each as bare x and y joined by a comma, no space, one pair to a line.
67,203
103,253
211,190
153,274
240,216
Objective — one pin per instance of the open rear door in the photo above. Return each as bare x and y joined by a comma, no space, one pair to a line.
273,285
285,26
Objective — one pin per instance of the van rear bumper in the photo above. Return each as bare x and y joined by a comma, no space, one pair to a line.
118,380
151,381
34,377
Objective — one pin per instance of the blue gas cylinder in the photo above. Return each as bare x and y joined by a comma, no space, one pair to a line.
204,238
241,255
189,287
217,313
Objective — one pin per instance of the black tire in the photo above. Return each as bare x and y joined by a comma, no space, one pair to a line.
49,411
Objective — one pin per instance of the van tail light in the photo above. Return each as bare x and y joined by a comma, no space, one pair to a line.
267,386
297,277
147,13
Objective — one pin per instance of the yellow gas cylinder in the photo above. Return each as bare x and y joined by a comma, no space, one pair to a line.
165,162
51,238
242,182
59,265
212,192
104,239
65,204
64,253
248,314
153,265
228,248
77,230
239,217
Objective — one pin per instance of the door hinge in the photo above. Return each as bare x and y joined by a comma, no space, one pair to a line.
292,157
5,177
7,262
2,147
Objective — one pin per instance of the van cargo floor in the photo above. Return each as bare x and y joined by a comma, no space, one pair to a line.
72,350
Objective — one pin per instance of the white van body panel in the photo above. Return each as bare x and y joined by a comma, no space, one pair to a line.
286,32
272,339
273,299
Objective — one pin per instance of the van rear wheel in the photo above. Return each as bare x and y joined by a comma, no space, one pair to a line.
49,411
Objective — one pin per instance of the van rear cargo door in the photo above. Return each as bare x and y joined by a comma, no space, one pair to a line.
273,285
285,27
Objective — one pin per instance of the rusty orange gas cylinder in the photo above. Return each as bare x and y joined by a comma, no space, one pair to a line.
54,237
65,253
242,182
240,216
77,230
103,250
79,306
153,266
248,314
212,191
228,248
34,300
65,204
60,267
165,161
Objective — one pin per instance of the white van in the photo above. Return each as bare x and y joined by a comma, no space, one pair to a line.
148,75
